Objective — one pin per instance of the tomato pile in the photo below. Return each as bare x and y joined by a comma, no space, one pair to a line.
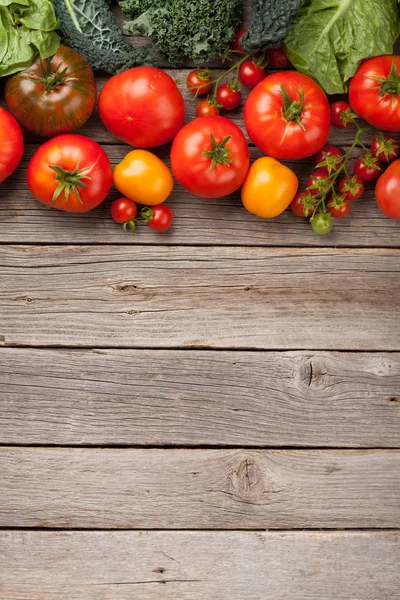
286,115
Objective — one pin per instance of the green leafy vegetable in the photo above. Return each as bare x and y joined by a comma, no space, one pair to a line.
330,38
99,38
270,23
201,30
27,28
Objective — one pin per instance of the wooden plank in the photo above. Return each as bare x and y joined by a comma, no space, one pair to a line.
197,221
236,298
191,398
193,565
199,489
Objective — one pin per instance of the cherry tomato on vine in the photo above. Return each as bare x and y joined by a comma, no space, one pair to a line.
236,45
159,218
367,168
277,58
207,108
329,159
303,204
342,116
229,96
199,82
251,73
385,148
351,187
322,223
124,211
319,183
338,207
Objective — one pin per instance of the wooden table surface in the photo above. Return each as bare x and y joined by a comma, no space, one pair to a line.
209,414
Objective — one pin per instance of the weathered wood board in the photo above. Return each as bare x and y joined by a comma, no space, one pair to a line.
199,489
186,398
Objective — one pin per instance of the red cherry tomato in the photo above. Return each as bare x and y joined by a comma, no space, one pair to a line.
329,159
338,208
351,187
229,96
277,58
124,211
367,168
159,218
341,115
207,108
199,82
236,45
250,74
319,183
385,148
297,206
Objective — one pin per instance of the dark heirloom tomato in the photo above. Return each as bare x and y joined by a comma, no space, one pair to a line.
54,95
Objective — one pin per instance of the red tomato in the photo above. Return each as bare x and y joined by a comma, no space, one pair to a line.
341,115
351,187
236,45
385,148
210,157
159,218
319,183
300,202
338,207
229,96
142,107
387,191
329,159
124,211
367,168
199,82
207,108
277,58
250,73
70,172
11,144
287,116
375,92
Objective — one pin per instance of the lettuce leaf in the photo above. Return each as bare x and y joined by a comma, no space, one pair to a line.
329,38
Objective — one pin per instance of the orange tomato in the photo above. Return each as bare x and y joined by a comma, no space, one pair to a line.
143,178
269,188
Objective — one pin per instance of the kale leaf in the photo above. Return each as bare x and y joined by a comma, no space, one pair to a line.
198,29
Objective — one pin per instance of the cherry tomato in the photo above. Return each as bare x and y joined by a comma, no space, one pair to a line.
385,148
302,204
277,58
287,116
250,73
322,223
367,168
229,96
341,114
387,191
199,82
11,144
329,159
207,108
351,187
124,211
158,218
236,45
319,184
338,207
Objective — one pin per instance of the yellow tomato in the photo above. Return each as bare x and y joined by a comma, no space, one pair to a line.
143,178
269,188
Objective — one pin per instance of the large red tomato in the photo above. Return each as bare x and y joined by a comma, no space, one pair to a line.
142,107
387,191
375,92
70,172
287,116
210,157
54,95
11,144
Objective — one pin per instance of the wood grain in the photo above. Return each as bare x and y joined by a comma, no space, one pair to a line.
236,298
186,398
199,489
194,565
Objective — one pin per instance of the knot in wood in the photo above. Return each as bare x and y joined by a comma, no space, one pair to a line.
312,372
249,482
